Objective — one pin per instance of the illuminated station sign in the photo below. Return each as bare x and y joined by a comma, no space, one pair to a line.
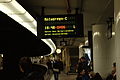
60,26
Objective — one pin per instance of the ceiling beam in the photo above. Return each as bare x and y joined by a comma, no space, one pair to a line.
80,5
68,6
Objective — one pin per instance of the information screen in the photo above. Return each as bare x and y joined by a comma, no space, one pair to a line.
60,26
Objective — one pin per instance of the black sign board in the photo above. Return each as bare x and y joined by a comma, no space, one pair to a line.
60,26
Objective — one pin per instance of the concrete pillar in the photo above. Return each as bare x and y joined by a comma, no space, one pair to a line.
81,51
117,37
67,60
103,50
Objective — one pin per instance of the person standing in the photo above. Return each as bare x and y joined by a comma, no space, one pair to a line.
82,69
82,64
49,65
56,69
112,75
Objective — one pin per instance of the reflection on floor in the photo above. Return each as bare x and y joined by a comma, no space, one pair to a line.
63,76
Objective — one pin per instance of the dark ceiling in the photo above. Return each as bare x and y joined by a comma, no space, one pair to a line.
16,40
94,11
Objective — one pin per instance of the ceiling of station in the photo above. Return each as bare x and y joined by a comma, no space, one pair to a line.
94,11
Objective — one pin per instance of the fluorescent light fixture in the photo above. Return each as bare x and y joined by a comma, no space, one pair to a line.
118,17
80,46
29,27
11,7
5,1
50,43
96,34
32,24
58,51
113,33
86,41
22,17
14,10
1,55
42,56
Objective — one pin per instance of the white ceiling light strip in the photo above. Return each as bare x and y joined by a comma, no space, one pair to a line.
14,10
5,1
11,6
50,43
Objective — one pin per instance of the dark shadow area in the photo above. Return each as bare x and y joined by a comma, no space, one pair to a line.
15,42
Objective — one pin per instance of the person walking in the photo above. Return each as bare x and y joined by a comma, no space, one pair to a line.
56,69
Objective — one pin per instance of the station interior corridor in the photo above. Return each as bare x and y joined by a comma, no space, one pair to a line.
46,30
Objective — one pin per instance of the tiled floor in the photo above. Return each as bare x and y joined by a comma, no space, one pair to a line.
63,76
67,77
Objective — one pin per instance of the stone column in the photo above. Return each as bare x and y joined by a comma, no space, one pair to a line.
103,50
117,36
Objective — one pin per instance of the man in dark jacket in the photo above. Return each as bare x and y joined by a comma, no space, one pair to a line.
56,69
83,64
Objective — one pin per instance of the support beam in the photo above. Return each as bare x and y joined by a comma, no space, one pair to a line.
68,7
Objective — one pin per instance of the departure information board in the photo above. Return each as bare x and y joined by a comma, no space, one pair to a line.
60,26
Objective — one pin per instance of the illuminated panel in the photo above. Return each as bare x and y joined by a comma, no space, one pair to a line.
60,26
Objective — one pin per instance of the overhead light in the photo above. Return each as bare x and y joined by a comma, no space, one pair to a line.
80,46
32,26
86,41
58,51
4,1
1,55
11,7
113,33
50,43
14,10
22,17
118,17
42,56
96,34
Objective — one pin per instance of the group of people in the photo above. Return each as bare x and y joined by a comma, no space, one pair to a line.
30,71
85,71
